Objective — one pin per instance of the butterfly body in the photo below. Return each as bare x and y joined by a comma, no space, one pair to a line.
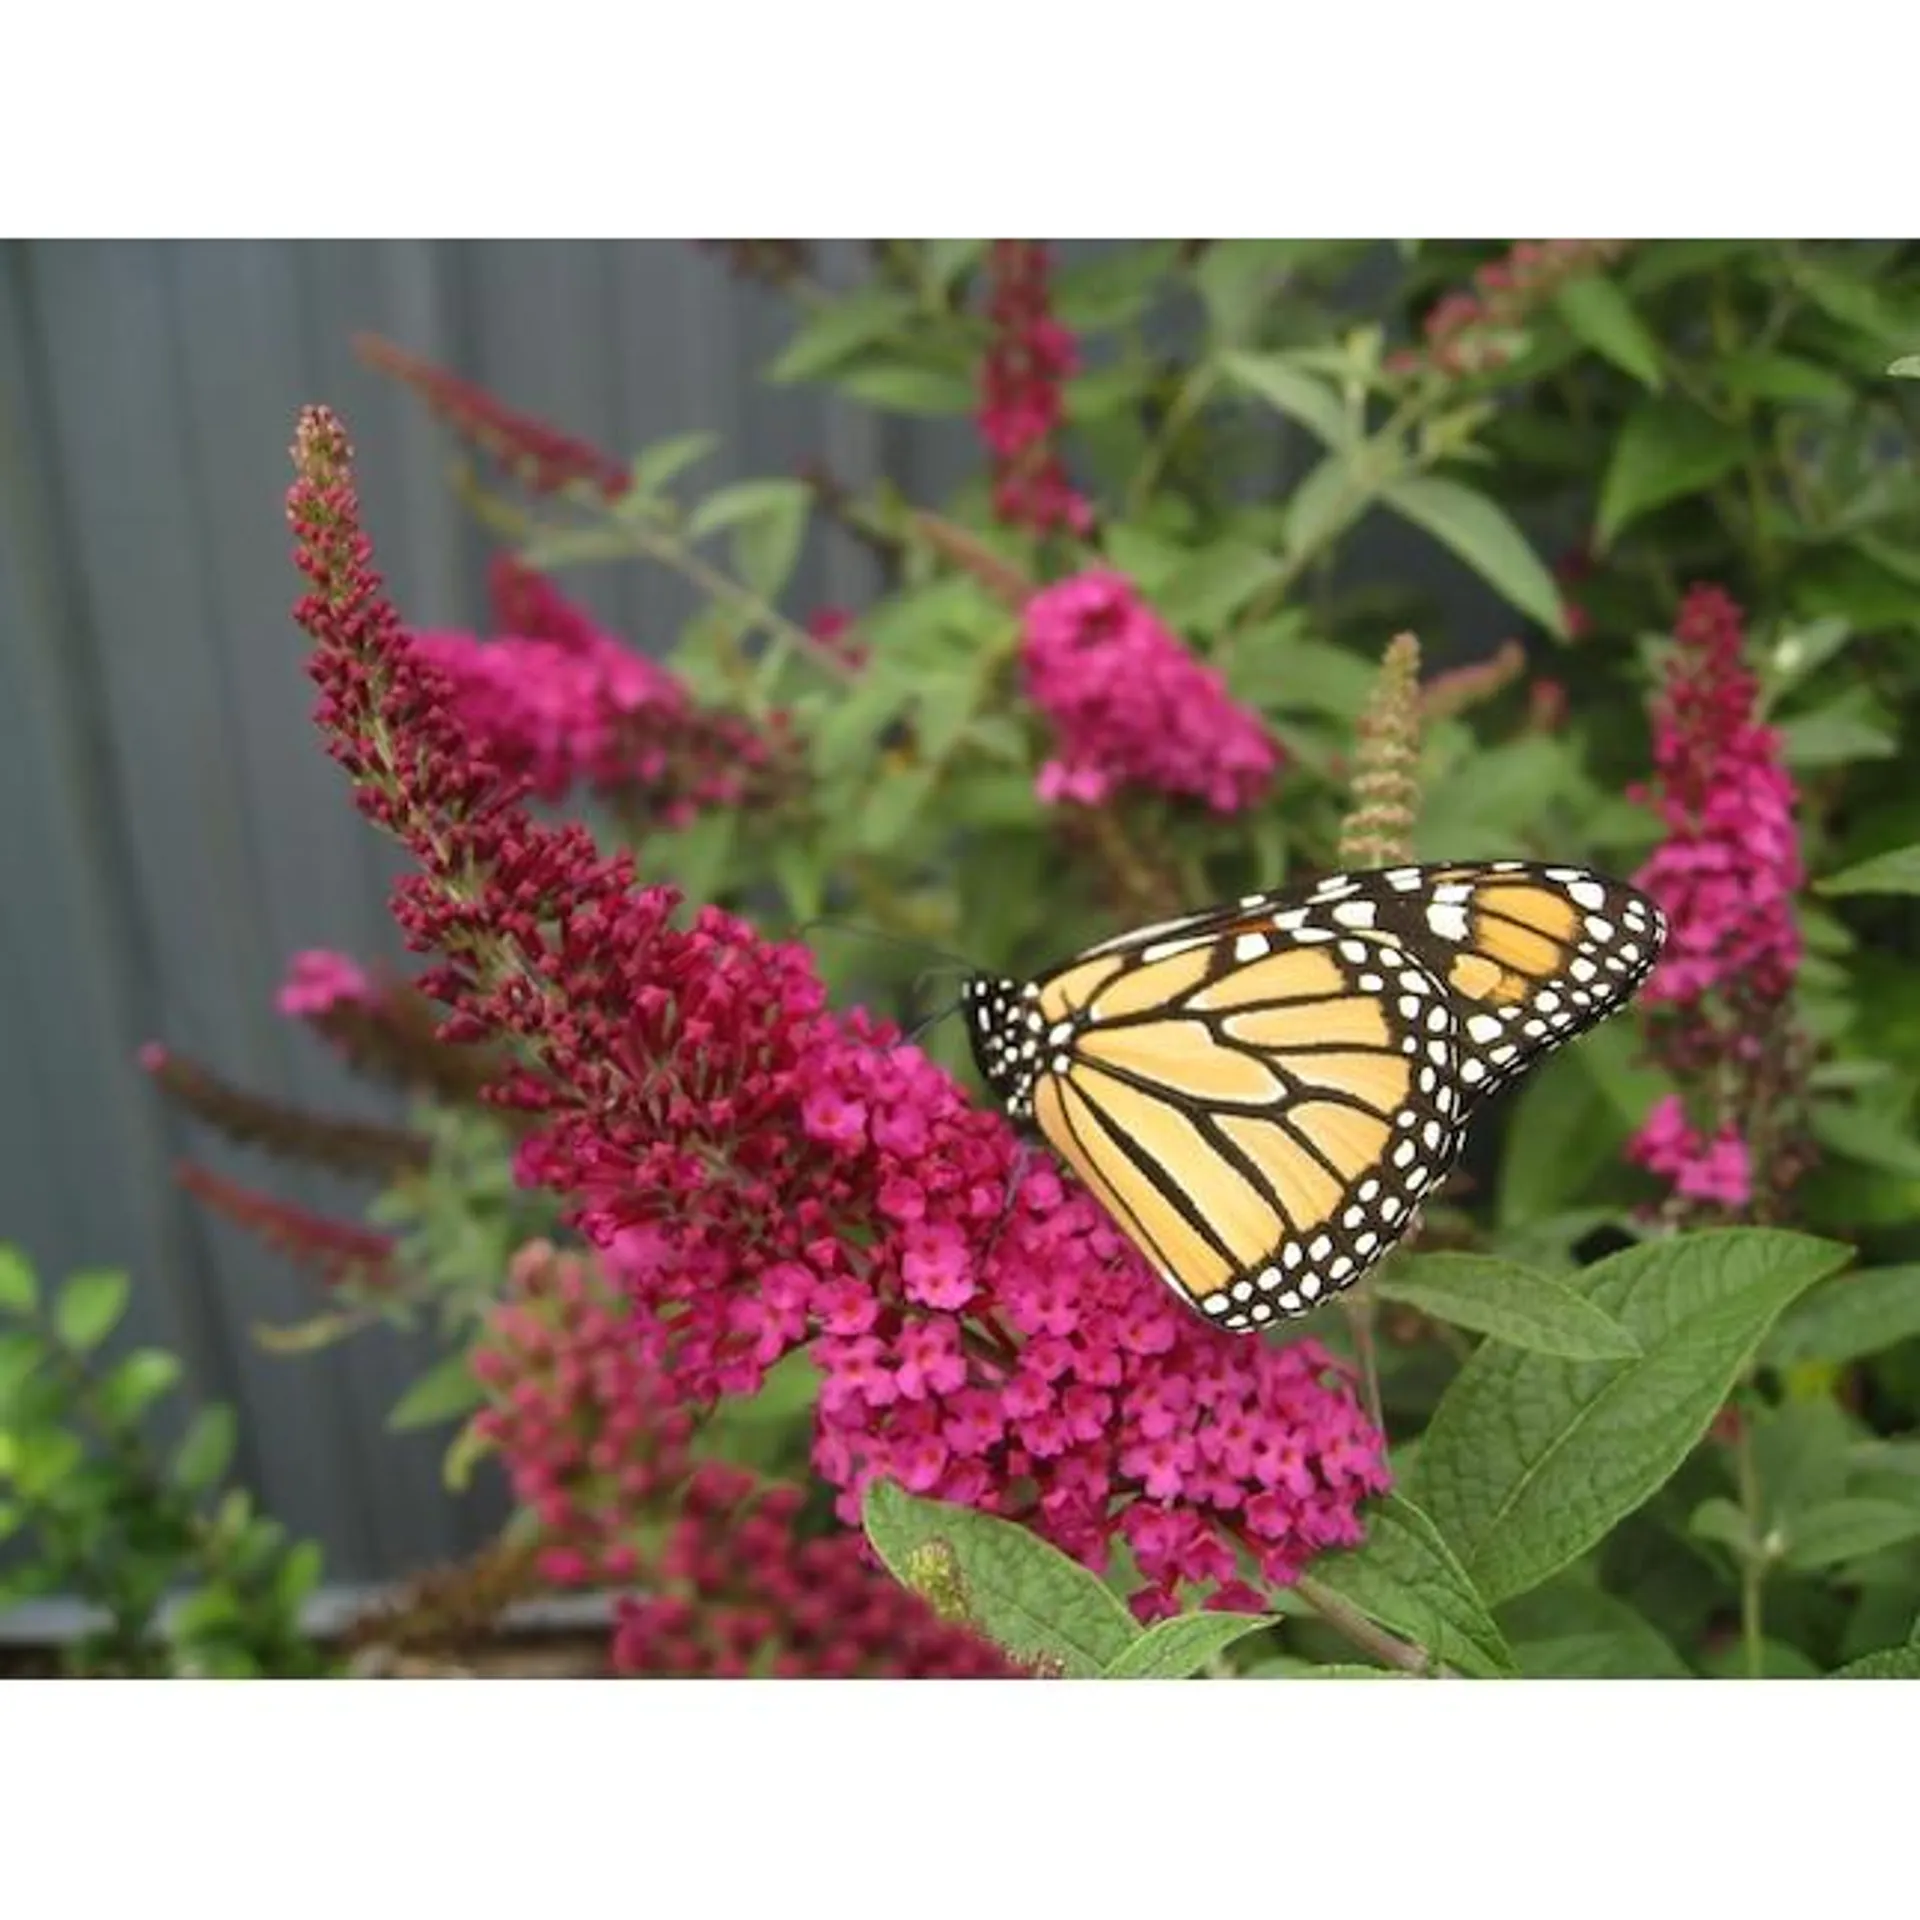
1262,1094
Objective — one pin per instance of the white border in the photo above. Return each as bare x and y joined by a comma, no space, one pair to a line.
965,1798
332,117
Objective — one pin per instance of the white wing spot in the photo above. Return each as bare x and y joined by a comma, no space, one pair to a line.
1447,922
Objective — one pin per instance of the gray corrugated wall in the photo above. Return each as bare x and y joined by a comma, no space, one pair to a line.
170,830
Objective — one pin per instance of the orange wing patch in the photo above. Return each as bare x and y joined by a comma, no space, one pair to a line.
1308,973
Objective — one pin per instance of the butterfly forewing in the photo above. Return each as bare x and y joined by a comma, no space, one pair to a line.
1531,955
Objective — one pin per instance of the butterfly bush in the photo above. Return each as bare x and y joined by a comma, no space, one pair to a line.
1726,871
318,981
1130,706
764,1175
1475,329
600,1452
1022,406
559,701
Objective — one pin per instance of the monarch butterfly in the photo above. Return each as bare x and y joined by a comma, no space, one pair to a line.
1262,1094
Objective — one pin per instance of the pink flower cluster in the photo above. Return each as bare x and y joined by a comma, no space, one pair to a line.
1729,865
835,629
544,459
1726,872
557,702
599,1451
1475,329
1130,706
738,1590
1716,1171
1015,1358
1021,406
318,981
769,1176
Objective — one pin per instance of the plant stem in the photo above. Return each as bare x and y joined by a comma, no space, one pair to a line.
1360,1313
1348,1621
1753,1565
1186,403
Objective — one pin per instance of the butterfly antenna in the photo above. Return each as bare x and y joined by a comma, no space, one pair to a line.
903,941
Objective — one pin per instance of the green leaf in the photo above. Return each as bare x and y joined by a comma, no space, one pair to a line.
1801,649
1327,502
1214,584
1600,316
1565,1131
1666,450
1848,1529
1601,1655
1778,1661
892,807
1529,1460
1300,396
207,1450
299,1575
769,522
1407,1577
1907,367
1568,1629
654,466
88,1307
747,500
901,389
1895,872
837,332
1848,1318
1482,535
1722,1522
1286,1667
1148,558
1870,1137
1894,1663
1105,391
41,1460
464,1452
1173,1649
446,1391
1834,736
1113,288
19,1291
947,260
1507,1302
21,1354
1017,1589
309,1336
1781,377
12,1519
136,1383
1835,286
1235,279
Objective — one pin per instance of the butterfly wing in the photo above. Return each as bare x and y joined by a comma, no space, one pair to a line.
1260,1112
1261,1094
